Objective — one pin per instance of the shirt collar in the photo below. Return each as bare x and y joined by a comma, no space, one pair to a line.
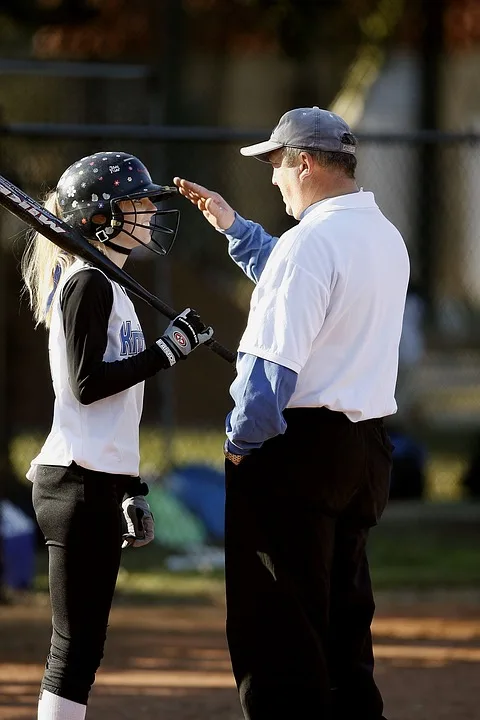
356,200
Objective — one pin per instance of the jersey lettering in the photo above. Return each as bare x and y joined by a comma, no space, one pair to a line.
132,342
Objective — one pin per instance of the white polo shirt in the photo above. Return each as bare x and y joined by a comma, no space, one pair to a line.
329,305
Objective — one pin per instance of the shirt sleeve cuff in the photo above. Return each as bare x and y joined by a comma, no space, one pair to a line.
271,356
234,449
237,229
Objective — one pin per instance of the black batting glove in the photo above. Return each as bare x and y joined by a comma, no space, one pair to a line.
183,335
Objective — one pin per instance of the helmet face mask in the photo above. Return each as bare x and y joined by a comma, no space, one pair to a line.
90,191
162,224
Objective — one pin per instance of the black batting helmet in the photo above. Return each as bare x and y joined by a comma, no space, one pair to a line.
89,192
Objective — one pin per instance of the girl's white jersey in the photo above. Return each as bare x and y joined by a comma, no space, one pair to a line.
102,436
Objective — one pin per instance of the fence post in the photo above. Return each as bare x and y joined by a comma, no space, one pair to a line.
9,486
4,445
4,450
432,18
165,93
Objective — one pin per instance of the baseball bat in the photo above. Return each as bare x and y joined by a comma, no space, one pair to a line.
73,242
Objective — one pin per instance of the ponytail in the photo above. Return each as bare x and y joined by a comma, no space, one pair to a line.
42,266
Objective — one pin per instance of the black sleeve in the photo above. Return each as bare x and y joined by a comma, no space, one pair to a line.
86,304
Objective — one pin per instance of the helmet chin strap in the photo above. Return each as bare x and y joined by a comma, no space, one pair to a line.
117,248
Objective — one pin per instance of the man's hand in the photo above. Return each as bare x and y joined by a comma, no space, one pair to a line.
235,458
138,520
213,206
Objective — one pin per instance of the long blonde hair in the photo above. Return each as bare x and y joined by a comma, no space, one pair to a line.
42,264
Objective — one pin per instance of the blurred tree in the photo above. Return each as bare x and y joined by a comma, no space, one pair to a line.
462,24
289,23
112,31
295,29
320,40
39,12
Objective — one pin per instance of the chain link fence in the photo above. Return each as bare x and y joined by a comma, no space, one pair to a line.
428,184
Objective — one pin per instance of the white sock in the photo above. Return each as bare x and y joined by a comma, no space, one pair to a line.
54,707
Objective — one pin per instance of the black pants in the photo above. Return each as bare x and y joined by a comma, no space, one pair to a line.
79,513
299,596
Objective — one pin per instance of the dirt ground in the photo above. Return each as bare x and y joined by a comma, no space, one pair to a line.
171,661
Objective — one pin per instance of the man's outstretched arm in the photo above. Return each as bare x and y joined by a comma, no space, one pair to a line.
249,245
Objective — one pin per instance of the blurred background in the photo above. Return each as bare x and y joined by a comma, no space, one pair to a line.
183,84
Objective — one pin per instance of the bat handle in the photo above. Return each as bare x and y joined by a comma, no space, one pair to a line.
224,353
171,314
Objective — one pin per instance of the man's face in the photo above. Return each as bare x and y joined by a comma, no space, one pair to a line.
286,178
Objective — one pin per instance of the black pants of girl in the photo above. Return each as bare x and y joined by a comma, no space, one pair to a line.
299,596
79,513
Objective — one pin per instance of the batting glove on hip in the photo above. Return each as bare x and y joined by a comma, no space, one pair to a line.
139,522
183,335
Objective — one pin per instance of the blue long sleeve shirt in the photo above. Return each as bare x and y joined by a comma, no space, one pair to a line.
249,246
262,389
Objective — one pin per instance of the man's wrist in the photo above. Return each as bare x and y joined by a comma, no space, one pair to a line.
233,453
238,226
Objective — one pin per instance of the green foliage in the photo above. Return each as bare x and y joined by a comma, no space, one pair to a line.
435,555
143,576
159,451
403,555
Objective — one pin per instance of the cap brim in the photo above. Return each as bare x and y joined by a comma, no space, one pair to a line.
260,148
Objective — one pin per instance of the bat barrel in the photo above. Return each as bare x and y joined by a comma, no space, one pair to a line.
60,233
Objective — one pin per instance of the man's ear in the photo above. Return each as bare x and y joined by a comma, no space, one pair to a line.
306,164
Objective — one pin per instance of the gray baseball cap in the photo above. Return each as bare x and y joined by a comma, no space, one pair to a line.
306,129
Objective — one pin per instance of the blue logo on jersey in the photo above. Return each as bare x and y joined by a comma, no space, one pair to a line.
131,341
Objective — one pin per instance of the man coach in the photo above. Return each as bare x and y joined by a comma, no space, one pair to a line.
308,458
